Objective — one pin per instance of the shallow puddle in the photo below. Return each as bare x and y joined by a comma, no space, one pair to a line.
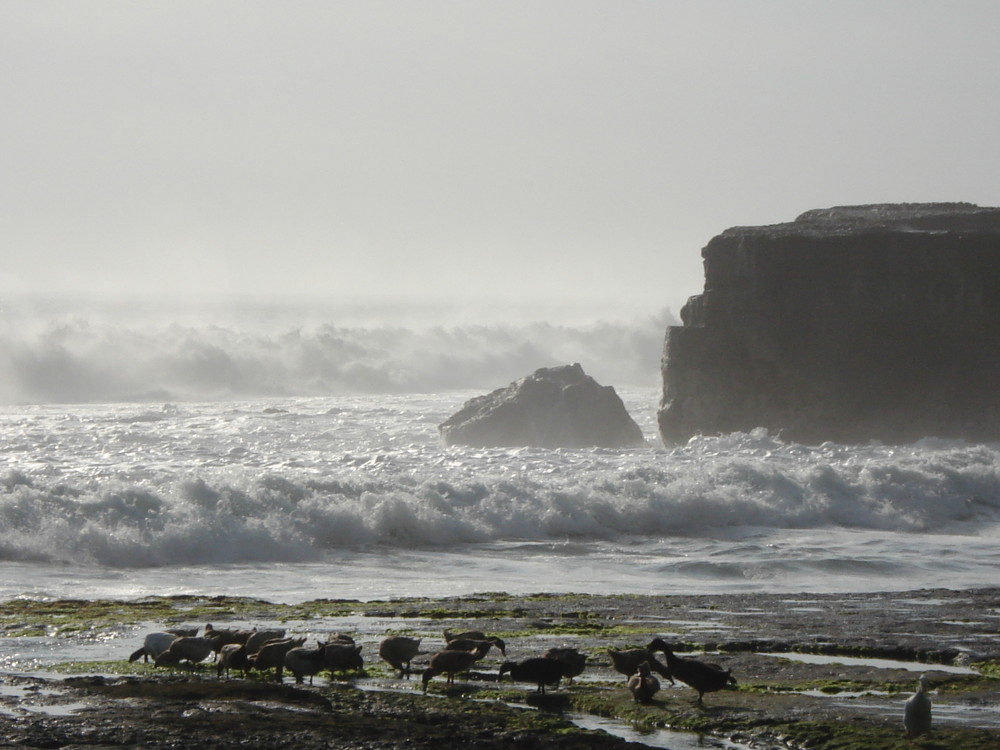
841,694
16,700
662,738
855,661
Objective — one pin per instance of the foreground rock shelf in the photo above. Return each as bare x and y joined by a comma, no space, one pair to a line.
781,702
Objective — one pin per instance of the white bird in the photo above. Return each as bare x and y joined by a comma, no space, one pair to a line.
917,712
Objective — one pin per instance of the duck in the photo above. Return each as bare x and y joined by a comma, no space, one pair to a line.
627,662
474,635
272,655
259,637
643,685
449,662
702,676
224,635
221,637
191,649
153,645
232,656
573,661
341,657
398,650
481,647
917,711
340,638
303,662
540,670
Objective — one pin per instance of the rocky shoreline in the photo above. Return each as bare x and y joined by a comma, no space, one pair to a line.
842,697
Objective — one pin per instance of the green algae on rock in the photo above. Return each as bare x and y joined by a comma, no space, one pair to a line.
778,702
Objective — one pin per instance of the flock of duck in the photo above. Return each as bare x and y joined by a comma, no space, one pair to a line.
244,650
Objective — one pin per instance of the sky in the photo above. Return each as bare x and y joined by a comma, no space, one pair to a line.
536,151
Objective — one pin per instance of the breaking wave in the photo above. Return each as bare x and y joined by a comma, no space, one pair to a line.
422,496
63,355
285,443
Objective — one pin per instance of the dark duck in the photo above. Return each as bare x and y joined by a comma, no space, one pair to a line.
702,676
539,670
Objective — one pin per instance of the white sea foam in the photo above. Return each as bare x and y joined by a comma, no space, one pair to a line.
332,480
364,483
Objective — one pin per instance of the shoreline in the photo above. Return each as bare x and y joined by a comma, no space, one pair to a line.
780,702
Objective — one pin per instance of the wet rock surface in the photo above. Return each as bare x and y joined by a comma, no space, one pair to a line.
200,713
848,700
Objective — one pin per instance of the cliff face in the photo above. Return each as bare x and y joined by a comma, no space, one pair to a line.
848,324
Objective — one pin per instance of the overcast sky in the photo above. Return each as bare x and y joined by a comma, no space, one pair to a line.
478,149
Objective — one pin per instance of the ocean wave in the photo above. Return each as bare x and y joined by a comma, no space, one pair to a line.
712,488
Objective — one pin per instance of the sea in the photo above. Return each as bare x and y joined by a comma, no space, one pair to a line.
289,451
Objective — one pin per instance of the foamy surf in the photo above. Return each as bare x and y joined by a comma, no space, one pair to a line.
359,492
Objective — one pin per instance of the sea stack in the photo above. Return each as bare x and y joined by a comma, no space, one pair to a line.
555,407
850,324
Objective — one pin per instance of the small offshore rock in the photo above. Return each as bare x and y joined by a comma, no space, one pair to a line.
555,407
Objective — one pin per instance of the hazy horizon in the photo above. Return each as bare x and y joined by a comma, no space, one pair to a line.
56,350
575,150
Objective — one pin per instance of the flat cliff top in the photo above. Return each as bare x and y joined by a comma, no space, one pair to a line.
880,218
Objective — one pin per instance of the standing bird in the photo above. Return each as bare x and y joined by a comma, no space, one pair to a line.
627,662
479,644
573,661
475,635
479,648
259,637
917,712
540,670
153,645
191,649
450,663
643,685
341,657
272,655
397,651
232,656
221,637
305,662
702,676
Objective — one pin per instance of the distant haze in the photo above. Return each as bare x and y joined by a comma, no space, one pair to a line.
73,350
568,150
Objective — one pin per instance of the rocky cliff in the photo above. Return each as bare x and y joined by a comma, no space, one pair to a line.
849,324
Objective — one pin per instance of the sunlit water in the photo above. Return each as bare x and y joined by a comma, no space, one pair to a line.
296,498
